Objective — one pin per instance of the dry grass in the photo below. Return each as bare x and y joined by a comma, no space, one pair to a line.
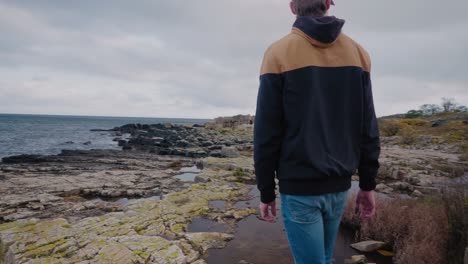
389,127
408,136
452,130
414,122
419,231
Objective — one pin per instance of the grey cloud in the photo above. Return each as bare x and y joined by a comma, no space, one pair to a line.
201,58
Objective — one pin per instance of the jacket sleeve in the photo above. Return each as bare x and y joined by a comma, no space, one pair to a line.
268,132
370,143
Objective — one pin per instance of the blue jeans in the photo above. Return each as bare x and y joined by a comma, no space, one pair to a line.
312,224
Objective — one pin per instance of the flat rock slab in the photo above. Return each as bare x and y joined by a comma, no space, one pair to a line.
148,230
368,246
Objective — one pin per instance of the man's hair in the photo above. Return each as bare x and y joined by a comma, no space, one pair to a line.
310,7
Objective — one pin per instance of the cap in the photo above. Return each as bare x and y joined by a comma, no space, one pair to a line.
332,2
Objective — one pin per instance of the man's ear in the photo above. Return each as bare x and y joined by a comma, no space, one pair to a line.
293,8
328,4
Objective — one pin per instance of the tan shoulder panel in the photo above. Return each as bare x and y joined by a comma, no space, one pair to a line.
271,64
297,50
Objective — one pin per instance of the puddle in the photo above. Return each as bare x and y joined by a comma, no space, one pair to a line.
188,174
217,204
252,199
193,169
187,177
260,242
125,200
204,225
118,201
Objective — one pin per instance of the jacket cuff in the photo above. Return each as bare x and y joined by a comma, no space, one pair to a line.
367,180
367,186
267,196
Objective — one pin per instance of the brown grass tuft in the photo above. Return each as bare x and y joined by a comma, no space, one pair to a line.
417,230
389,128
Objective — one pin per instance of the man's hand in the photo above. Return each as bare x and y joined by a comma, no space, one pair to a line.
365,205
265,211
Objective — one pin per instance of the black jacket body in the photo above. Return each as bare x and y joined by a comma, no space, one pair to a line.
315,124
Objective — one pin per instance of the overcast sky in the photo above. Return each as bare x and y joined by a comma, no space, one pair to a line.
179,58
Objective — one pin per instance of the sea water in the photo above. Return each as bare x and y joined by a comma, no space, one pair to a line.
47,134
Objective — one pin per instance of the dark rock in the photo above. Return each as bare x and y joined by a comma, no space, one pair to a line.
129,128
230,152
197,153
87,143
69,143
207,144
197,125
127,147
216,154
215,147
182,143
437,123
122,142
164,151
165,143
228,143
25,159
2,177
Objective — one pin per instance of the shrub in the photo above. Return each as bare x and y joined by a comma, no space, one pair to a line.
389,128
413,122
464,151
418,231
408,136
453,201
414,114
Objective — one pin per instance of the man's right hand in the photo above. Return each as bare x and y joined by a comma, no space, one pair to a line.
365,205
268,211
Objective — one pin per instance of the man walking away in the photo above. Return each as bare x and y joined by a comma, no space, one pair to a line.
315,126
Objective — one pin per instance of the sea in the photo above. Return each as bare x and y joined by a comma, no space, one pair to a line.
49,134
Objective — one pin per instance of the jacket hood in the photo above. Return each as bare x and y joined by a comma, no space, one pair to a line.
321,31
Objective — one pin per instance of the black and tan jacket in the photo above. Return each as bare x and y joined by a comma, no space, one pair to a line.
315,123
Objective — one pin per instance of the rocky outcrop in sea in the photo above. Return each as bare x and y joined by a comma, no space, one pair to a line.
186,141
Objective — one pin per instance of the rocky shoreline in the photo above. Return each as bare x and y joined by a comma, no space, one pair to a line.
136,205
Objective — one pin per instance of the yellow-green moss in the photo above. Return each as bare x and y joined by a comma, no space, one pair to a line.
8,226
33,252
178,228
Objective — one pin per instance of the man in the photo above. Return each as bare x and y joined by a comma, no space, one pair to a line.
315,126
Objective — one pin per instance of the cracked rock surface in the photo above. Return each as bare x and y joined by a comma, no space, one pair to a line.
146,230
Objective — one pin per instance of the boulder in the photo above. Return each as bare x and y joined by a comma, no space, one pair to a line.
207,240
402,186
383,188
437,123
216,154
368,246
230,152
357,259
417,193
182,143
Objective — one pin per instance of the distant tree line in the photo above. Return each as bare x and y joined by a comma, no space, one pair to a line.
448,105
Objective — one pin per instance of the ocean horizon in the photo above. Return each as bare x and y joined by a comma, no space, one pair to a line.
49,134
